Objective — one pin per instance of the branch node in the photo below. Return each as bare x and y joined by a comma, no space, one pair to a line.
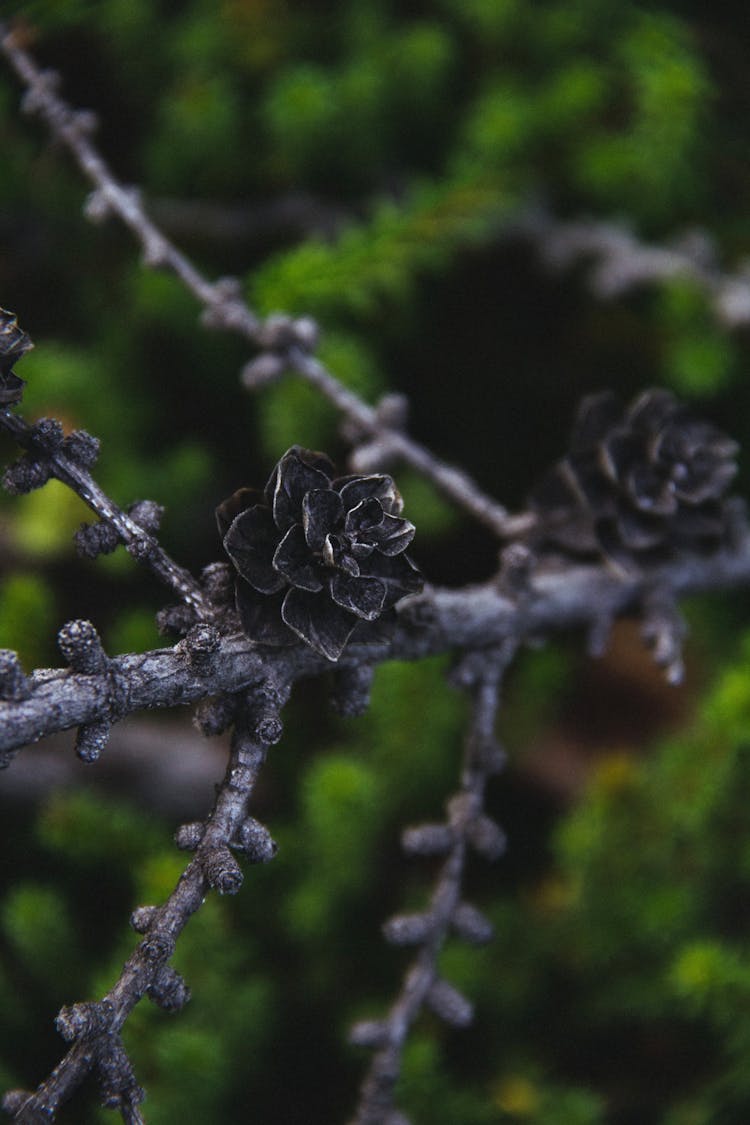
91,740
471,924
14,685
118,1085
200,645
369,1033
143,918
26,475
217,580
255,841
94,539
486,837
168,990
47,83
350,696
84,1020
46,436
81,646
25,1106
96,207
142,548
188,836
428,839
263,720
449,1004
265,369
408,929
82,447
214,716
222,870
516,566
157,948
663,631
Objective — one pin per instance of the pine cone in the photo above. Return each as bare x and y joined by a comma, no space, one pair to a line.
315,553
638,484
14,343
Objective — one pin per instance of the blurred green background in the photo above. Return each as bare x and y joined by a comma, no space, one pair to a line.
364,162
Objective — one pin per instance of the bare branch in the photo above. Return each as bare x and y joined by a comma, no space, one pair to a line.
559,595
453,483
93,1028
288,341
52,456
467,827
619,261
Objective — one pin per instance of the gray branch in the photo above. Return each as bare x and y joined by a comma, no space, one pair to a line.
467,827
94,1028
286,342
60,462
619,261
556,596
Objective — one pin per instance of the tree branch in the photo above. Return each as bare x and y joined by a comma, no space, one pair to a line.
619,261
94,1028
288,341
556,596
467,827
49,455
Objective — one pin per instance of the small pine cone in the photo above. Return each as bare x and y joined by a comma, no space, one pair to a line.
14,343
316,554
637,484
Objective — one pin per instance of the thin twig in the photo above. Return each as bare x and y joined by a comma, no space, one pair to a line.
94,1028
141,544
467,826
619,261
453,483
439,620
222,301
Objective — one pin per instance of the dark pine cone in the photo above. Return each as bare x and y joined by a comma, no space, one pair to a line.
14,343
637,484
316,553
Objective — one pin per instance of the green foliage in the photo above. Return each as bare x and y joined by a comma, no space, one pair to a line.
341,815
617,985
27,617
39,930
372,267
699,358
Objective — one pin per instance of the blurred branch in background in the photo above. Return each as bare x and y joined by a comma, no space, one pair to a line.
403,149
616,261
